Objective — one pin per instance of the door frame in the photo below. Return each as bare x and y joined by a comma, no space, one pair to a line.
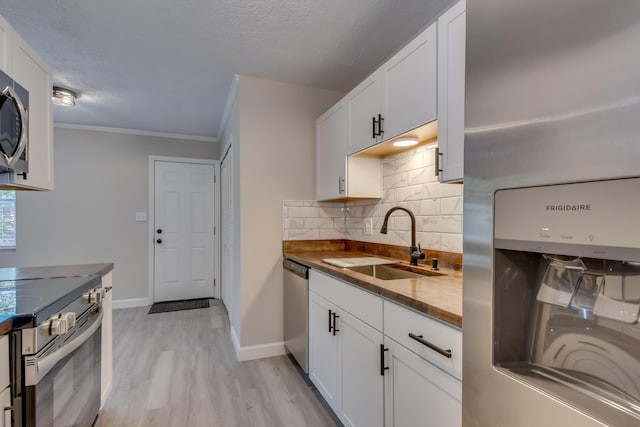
151,216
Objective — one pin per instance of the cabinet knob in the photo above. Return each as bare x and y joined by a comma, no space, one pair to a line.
159,241
159,231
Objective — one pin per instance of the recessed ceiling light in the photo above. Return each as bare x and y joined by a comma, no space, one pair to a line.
64,97
406,141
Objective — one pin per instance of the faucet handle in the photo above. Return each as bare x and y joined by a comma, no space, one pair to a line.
422,254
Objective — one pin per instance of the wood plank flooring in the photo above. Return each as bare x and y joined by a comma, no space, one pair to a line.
179,369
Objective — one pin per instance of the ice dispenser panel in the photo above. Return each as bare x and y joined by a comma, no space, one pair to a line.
567,292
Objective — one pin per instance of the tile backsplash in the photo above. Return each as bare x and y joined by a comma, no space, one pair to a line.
408,181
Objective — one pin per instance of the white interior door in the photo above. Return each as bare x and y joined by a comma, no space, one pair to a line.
184,219
226,213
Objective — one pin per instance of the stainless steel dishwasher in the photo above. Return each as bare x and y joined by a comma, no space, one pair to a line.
296,312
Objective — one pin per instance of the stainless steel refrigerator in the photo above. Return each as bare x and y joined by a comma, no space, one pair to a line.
551,216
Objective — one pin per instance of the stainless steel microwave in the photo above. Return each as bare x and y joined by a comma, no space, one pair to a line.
14,126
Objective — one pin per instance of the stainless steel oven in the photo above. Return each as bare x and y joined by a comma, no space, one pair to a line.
62,382
56,352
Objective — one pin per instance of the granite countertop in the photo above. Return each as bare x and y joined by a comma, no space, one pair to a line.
47,272
436,296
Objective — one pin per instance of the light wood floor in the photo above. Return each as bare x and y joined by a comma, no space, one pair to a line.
180,369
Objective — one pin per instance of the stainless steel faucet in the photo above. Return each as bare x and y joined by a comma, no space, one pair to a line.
415,253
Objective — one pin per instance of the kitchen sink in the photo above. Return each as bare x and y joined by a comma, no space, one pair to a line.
394,271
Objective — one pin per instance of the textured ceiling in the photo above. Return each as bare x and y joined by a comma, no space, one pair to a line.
167,65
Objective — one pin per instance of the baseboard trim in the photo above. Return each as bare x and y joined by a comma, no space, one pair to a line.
261,351
253,352
131,303
235,341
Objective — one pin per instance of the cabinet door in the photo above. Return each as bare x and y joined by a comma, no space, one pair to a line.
365,104
417,394
5,402
332,140
323,350
410,85
106,365
4,362
451,62
6,51
362,384
34,75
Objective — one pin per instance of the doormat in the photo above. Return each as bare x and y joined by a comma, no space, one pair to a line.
163,307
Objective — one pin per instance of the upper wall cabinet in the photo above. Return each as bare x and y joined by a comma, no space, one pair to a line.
397,97
410,84
332,140
366,113
5,45
451,53
23,64
338,176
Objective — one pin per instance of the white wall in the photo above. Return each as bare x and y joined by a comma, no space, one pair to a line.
100,182
275,161
230,137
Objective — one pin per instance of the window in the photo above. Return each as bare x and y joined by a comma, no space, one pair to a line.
7,219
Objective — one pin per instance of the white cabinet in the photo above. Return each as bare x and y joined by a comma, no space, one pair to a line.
6,47
5,390
323,349
410,85
106,366
423,384
5,402
366,113
361,391
4,361
399,322
451,81
332,139
397,97
418,394
373,379
26,67
339,177
344,351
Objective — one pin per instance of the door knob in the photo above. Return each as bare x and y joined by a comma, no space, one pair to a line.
159,241
159,231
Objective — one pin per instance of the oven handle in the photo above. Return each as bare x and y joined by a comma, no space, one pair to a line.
44,365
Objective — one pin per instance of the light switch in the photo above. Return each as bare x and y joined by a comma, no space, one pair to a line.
368,226
141,216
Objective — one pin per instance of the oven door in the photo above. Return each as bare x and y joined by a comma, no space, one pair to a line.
62,384
13,123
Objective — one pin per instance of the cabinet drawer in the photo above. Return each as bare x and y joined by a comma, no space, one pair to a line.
4,361
399,322
359,303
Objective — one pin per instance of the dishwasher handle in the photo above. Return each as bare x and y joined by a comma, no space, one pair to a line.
295,268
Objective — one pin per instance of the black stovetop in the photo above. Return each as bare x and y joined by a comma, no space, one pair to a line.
29,302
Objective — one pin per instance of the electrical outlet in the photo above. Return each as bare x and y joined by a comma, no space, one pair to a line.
141,216
368,226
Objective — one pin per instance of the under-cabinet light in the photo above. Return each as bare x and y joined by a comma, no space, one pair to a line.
406,141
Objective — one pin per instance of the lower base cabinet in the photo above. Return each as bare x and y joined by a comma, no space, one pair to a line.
361,397
5,402
367,377
323,349
417,394
5,395
344,363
